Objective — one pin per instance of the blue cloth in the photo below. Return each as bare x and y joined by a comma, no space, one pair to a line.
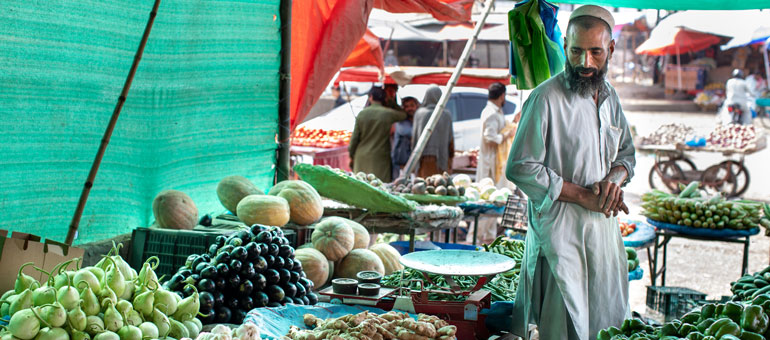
499,317
274,323
402,142
636,274
643,234
481,208
704,232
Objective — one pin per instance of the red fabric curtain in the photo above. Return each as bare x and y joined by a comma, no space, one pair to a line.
325,32
367,52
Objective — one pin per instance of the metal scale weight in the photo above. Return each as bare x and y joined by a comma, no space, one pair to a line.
465,314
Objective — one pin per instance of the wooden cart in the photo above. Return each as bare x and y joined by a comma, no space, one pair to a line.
672,167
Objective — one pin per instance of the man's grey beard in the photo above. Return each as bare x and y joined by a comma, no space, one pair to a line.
585,86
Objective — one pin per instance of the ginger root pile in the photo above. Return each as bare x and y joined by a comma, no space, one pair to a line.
370,326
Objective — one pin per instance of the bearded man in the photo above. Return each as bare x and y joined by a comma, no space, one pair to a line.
572,153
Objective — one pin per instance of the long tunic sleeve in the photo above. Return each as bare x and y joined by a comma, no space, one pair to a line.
526,166
626,150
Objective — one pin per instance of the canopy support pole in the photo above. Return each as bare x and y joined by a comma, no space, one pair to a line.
678,68
284,116
767,64
110,127
436,115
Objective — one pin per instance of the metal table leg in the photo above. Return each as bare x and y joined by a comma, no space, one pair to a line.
650,265
663,267
745,268
446,238
454,234
475,227
411,240
654,271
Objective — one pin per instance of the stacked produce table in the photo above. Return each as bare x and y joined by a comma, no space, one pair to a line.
337,157
472,211
693,216
424,219
673,167
664,236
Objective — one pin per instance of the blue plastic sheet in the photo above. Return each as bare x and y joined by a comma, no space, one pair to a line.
703,232
636,274
498,316
273,323
481,208
643,234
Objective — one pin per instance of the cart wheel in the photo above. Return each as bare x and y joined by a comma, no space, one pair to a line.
666,174
728,177
685,161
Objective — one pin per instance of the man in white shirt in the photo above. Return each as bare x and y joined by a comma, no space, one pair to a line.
737,92
492,123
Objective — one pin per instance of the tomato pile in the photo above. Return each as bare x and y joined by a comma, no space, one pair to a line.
627,228
320,138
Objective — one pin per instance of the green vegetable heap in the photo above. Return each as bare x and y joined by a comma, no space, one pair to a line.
633,260
502,287
106,301
734,320
748,287
692,210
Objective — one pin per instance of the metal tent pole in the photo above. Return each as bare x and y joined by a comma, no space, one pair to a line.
436,115
767,63
110,127
284,108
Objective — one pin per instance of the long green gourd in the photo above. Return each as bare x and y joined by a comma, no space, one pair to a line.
351,191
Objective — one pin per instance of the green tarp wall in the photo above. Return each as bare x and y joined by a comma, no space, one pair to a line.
678,4
203,105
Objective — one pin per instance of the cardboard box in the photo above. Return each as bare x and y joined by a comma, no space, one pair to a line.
21,248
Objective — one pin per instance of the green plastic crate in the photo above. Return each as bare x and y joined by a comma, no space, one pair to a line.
673,302
173,247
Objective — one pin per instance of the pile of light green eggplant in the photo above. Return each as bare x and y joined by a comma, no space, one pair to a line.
747,317
107,301
692,209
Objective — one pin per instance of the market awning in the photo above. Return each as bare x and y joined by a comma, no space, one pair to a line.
400,31
471,77
678,42
757,36
325,32
368,52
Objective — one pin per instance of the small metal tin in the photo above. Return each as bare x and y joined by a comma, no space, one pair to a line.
369,276
344,286
368,289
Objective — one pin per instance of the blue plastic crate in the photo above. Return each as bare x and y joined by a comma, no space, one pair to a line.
403,246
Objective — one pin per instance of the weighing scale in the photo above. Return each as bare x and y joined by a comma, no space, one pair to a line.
448,263
465,315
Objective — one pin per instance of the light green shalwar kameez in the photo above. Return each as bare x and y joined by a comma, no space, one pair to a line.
370,143
564,137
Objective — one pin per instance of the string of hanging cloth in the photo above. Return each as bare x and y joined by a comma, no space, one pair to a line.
536,43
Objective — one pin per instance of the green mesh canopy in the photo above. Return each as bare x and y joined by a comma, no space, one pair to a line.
203,105
677,4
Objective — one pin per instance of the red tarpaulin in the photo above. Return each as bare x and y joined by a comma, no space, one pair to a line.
367,52
474,77
325,32
673,43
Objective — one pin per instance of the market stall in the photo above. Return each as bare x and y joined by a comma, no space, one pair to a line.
694,216
673,169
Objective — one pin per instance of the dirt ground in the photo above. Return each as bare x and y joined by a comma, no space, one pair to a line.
704,266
